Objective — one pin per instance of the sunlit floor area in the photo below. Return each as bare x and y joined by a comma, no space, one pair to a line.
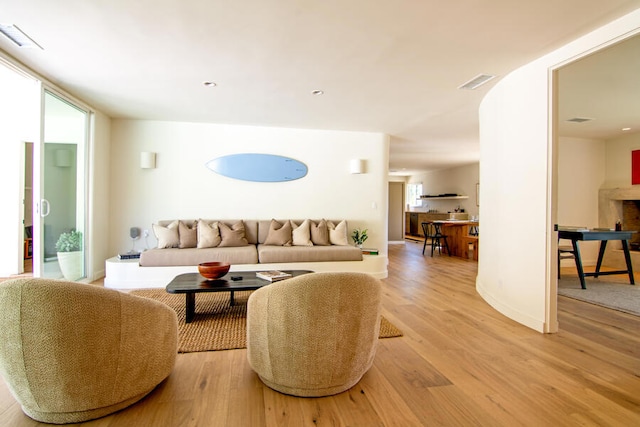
459,363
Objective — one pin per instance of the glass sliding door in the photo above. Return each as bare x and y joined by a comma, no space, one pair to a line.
62,189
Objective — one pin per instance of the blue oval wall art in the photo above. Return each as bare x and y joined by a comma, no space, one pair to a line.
258,167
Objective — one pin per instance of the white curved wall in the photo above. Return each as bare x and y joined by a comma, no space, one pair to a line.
515,271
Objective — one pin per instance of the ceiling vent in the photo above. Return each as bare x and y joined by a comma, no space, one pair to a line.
477,81
17,36
579,120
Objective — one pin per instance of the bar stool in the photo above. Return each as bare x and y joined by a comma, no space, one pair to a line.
437,238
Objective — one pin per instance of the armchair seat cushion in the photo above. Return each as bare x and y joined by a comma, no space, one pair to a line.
316,334
73,352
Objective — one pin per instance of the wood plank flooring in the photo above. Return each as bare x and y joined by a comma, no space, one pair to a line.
460,363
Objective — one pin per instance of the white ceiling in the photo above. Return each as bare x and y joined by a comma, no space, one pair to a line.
603,87
384,66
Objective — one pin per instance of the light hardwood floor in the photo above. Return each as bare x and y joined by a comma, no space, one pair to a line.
459,363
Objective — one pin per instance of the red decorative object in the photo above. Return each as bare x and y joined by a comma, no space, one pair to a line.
213,270
635,167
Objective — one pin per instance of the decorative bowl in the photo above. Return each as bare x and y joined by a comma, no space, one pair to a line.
213,270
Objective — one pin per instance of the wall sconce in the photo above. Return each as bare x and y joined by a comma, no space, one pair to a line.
356,166
63,158
147,160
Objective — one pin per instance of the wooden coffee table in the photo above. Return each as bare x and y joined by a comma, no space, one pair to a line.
192,283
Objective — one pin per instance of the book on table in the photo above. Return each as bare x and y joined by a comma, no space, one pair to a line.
571,228
129,255
273,275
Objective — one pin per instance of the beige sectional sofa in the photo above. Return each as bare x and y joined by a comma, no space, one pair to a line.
268,244
256,248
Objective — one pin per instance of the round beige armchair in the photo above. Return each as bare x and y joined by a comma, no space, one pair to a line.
72,352
316,334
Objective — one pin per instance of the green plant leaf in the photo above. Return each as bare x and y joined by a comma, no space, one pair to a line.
69,242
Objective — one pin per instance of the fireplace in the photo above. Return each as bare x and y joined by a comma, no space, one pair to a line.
620,204
631,221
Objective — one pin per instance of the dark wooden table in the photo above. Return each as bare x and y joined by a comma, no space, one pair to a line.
192,283
603,236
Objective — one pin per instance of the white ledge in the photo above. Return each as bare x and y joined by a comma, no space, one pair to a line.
128,274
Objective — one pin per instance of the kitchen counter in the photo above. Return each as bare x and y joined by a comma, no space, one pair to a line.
413,219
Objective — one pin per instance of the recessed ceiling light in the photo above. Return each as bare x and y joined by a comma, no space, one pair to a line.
477,81
209,84
626,129
317,92
17,36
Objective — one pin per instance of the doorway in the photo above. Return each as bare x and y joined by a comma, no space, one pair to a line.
396,212
596,129
28,209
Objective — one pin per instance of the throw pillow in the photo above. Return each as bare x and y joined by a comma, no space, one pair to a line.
208,234
279,234
167,236
301,234
319,233
233,236
188,235
338,233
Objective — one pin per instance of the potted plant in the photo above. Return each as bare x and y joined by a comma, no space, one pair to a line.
359,237
69,247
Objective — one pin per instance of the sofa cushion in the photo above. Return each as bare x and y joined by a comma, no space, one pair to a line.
208,234
273,254
338,233
232,236
301,234
279,234
320,233
188,235
167,236
193,256
250,226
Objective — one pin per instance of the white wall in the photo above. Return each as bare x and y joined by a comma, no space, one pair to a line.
618,160
581,173
19,112
461,180
182,187
517,262
584,167
98,227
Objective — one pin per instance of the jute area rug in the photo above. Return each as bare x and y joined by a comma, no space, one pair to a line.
218,325
618,295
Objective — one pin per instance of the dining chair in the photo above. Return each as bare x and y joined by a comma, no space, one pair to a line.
427,231
565,252
437,238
